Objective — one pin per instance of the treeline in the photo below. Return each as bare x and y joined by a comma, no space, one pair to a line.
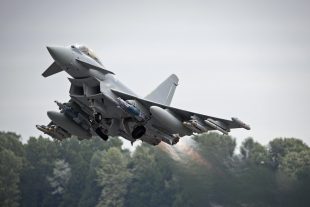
201,171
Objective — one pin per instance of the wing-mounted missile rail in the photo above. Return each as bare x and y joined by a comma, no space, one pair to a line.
54,131
69,121
218,125
196,125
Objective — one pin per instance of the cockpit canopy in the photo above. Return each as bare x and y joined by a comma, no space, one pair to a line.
87,51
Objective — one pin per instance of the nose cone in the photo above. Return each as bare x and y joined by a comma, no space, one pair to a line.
62,55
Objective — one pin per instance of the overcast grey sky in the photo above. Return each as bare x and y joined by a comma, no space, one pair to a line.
249,59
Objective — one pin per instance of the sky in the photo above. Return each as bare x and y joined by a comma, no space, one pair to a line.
246,59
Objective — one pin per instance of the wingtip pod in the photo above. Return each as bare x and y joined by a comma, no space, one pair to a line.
240,123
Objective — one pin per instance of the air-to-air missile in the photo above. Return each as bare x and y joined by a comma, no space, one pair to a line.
196,125
54,131
217,125
131,110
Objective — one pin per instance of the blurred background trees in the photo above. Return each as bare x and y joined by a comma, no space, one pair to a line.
205,170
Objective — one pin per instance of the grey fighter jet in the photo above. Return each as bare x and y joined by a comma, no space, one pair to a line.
100,105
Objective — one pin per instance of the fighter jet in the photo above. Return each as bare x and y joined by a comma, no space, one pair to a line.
100,105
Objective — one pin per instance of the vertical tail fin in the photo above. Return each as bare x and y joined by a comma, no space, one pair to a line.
164,92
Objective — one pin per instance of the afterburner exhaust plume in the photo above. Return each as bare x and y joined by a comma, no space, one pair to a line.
185,151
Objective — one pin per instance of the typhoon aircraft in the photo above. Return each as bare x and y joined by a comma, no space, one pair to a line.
100,105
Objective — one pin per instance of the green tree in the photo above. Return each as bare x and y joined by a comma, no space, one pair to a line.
10,166
205,182
61,176
11,163
220,146
11,141
92,189
280,147
113,177
78,154
93,152
43,172
153,182
254,152
40,154
297,164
